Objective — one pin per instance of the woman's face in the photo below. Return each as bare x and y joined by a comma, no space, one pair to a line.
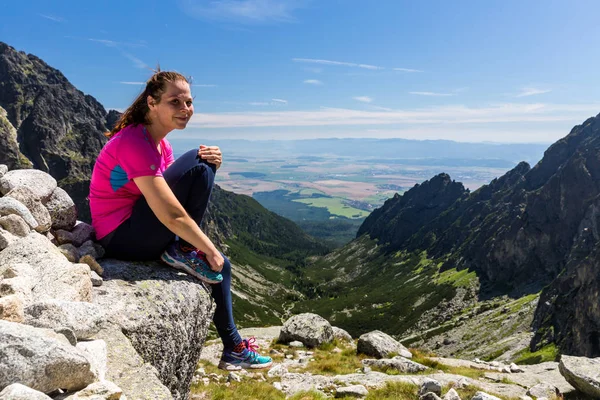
175,108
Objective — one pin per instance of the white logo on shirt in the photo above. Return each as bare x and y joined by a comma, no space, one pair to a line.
153,167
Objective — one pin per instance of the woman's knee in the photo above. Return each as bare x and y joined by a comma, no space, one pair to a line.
226,266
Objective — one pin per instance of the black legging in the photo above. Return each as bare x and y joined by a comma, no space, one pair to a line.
143,237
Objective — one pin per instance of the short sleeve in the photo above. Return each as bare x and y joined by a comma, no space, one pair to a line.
168,153
137,157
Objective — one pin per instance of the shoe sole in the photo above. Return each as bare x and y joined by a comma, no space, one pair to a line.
236,367
171,262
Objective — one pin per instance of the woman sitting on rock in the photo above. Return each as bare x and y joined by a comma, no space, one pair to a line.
141,198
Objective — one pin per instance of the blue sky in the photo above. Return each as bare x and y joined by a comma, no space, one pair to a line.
500,71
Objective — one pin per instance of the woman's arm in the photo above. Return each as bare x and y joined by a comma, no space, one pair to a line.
171,213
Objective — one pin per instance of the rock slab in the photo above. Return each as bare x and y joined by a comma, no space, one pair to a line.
582,373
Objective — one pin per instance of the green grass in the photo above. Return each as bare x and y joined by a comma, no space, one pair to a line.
547,353
462,278
335,206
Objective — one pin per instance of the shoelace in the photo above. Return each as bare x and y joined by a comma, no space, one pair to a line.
251,344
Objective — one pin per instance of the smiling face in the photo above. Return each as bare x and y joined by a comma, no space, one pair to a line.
175,107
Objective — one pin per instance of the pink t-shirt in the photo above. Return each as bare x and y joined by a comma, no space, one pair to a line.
129,154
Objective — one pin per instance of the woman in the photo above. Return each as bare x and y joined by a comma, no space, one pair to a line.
141,198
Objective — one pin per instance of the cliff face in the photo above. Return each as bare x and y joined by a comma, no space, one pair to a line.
526,230
59,128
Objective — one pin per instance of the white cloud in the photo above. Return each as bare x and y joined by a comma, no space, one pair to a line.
52,18
280,101
530,91
446,115
243,11
136,61
407,70
364,99
340,63
431,94
313,82
132,83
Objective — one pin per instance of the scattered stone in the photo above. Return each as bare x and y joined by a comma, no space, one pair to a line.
310,329
514,368
49,362
103,390
82,233
15,224
274,352
505,369
357,391
28,198
92,263
341,334
200,371
430,385
63,237
92,249
9,206
233,377
277,385
96,353
96,279
62,210
366,369
70,252
85,319
429,396
484,396
40,183
380,345
398,363
206,381
582,373
295,343
451,395
289,356
16,391
277,370
337,350
11,308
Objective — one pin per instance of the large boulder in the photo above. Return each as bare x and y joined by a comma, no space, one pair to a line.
56,277
40,183
380,345
28,198
158,319
16,391
62,210
10,206
40,359
397,363
582,373
310,329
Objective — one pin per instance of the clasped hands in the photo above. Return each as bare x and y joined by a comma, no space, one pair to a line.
211,154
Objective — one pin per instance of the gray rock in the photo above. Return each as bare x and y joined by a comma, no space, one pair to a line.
15,224
39,182
84,319
3,170
358,391
68,333
277,385
296,343
92,249
277,370
62,210
310,329
56,277
70,251
398,363
582,373
233,377
165,316
380,345
451,395
63,237
11,308
40,359
9,206
82,233
341,334
514,368
429,396
16,391
96,279
26,196
484,396
103,390
430,385
96,353
543,390
6,238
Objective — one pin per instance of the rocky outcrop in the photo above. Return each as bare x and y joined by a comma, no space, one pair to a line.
582,373
310,329
139,331
9,147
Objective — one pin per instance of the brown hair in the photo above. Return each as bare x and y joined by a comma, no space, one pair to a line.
137,113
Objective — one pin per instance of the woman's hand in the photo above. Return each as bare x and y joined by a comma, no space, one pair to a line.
211,154
215,261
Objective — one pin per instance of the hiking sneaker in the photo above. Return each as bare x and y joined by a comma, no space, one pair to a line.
248,358
191,262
